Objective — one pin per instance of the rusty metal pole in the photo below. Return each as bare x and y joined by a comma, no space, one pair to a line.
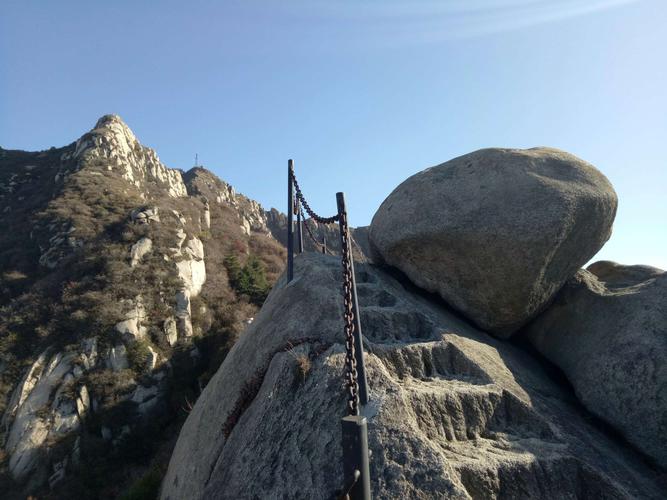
290,223
356,458
358,344
299,232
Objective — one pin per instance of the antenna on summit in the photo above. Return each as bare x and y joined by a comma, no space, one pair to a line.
196,160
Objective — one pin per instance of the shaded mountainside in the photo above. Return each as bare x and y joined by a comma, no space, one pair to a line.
123,283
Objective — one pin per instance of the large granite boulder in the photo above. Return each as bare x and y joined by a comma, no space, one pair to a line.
454,413
496,232
608,333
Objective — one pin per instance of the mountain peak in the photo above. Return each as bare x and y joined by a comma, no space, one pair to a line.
113,125
109,119
114,144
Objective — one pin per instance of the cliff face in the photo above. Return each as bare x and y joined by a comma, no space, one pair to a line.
116,305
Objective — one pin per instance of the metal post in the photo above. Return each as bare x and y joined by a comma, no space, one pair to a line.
355,458
358,344
299,232
290,223
324,243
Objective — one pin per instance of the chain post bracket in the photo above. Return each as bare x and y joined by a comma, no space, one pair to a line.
290,220
355,457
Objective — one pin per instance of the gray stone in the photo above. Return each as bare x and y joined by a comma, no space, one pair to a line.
26,431
140,249
145,215
117,358
89,352
83,402
183,314
132,327
146,398
170,330
192,269
454,413
151,358
610,339
496,232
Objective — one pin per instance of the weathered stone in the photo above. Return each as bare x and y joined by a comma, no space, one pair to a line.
132,326
145,215
64,411
27,432
179,216
117,358
151,358
454,413
609,336
183,313
170,331
146,398
113,141
83,402
206,215
615,275
89,352
192,270
139,250
496,232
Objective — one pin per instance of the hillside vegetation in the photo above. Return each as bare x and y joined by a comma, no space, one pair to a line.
116,307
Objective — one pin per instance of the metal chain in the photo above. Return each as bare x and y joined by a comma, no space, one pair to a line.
351,382
313,215
308,230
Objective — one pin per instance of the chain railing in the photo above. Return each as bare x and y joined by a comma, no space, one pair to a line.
321,245
356,479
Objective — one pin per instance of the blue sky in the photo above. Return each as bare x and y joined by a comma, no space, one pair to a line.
361,94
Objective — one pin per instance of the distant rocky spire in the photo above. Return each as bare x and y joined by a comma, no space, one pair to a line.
114,142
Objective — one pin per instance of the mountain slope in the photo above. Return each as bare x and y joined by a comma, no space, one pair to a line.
123,285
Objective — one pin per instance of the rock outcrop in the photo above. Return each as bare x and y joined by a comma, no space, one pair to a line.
42,408
608,333
113,143
496,232
201,182
139,250
454,413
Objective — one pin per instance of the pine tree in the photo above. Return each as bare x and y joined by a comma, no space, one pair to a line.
233,267
249,280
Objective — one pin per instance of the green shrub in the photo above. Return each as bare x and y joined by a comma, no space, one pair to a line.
137,355
249,280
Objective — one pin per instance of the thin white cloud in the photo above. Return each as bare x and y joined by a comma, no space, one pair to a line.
391,22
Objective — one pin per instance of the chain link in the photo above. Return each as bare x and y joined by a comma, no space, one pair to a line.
310,233
351,379
351,382
306,206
